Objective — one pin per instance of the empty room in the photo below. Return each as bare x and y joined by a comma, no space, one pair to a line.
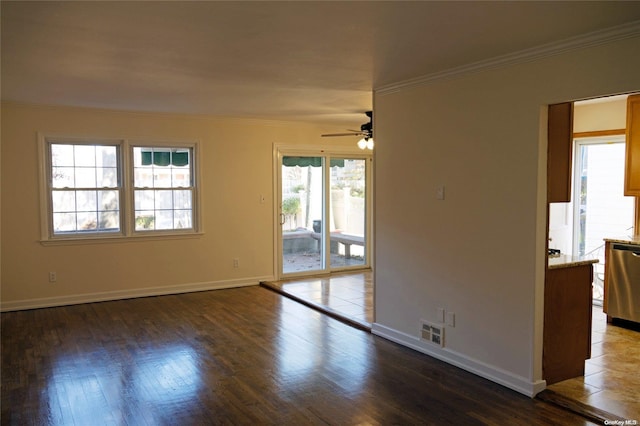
312,212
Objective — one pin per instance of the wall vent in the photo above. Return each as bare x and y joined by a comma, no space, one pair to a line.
432,333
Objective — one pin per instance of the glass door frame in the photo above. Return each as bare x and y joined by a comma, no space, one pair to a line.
597,252
577,172
285,150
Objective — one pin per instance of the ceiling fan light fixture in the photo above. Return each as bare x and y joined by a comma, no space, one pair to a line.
365,143
366,131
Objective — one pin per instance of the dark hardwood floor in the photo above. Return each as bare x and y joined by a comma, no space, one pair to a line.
240,356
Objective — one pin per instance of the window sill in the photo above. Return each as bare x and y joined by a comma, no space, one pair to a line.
119,239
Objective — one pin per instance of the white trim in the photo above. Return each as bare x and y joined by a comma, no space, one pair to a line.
490,372
321,150
277,196
608,35
121,239
43,188
47,302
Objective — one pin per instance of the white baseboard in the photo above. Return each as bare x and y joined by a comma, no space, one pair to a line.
495,374
48,302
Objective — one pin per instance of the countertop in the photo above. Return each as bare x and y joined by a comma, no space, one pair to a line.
625,240
567,261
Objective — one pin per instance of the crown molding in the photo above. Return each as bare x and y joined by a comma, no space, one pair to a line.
608,35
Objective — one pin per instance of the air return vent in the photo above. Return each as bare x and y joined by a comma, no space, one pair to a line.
432,333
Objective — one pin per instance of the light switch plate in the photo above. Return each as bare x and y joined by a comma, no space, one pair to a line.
451,319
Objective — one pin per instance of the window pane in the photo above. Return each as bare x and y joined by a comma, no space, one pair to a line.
64,201
85,177
164,200
144,200
180,158
162,167
62,177
108,200
161,177
164,219
87,221
143,177
182,199
180,177
107,156
109,220
61,155
85,155
145,220
182,219
64,222
86,201
107,177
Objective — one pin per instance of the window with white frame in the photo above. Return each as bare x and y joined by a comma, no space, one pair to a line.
85,188
88,196
163,188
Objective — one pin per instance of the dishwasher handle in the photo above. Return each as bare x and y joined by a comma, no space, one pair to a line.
634,249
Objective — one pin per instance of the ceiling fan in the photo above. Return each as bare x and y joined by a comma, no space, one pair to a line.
366,131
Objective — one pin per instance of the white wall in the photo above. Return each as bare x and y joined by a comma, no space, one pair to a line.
480,252
607,114
236,168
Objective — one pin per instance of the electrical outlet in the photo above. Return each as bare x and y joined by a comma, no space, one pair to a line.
236,263
53,277
440,314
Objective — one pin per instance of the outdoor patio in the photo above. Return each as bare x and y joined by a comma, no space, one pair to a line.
310,261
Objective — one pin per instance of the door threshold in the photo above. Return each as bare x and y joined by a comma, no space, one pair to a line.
353,322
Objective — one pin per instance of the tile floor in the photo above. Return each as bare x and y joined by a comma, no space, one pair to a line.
346,295
611,382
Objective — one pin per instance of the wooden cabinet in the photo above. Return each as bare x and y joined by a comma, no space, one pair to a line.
632,162
559,152
567,322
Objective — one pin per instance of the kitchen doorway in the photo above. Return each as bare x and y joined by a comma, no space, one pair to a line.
599,210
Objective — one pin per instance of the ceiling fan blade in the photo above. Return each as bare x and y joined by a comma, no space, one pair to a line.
343,134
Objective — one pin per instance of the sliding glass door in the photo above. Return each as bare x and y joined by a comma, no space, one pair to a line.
347,212
301,214
323,215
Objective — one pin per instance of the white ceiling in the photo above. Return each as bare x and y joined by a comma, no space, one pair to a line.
301,60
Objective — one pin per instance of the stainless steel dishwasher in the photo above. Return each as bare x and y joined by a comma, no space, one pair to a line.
623,297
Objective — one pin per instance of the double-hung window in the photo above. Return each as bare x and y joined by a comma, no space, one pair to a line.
163,188
114,189
85,187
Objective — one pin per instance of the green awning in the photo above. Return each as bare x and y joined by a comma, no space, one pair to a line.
310,161
165,158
